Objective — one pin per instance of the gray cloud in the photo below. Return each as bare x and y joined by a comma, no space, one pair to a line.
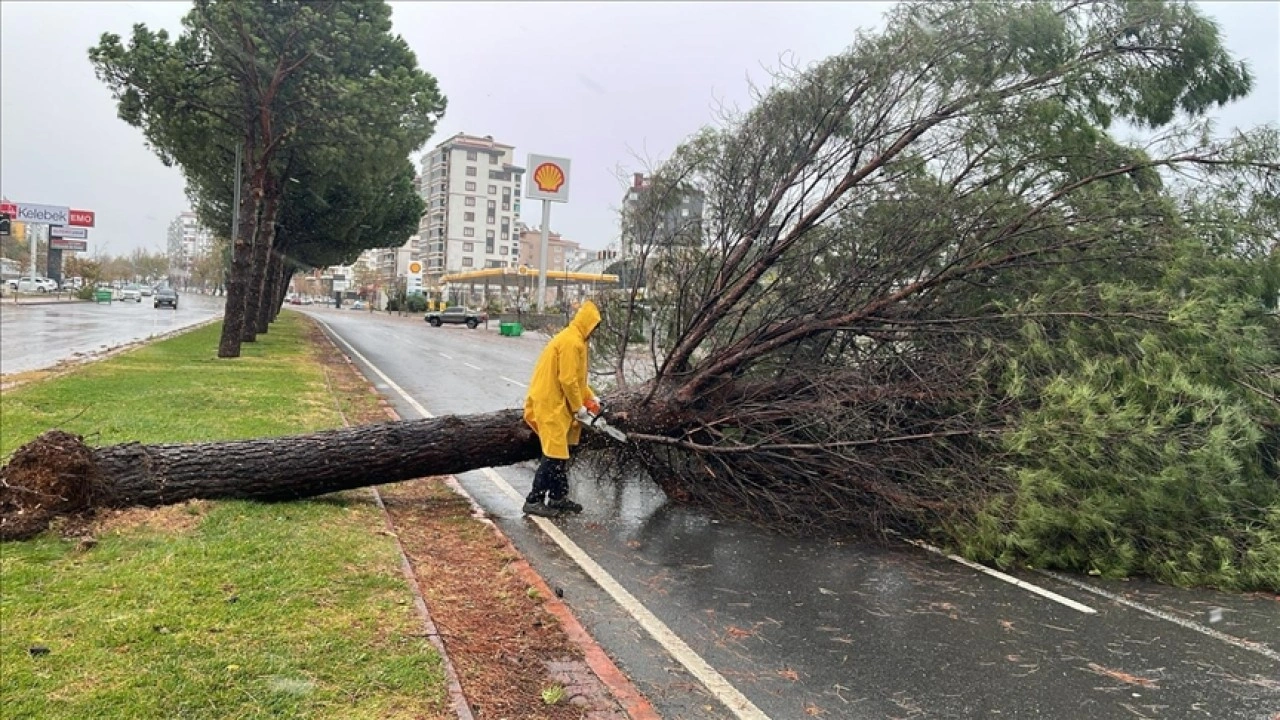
613,86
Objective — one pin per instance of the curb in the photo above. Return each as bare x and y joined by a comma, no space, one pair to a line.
631,700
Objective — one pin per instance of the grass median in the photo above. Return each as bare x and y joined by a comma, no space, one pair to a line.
208,610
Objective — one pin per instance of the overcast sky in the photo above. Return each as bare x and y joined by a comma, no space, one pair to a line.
611,86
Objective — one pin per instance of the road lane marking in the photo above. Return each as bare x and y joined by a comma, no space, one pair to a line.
446,357
473,367
715,683
392,383
513,382
1049,594
1250,645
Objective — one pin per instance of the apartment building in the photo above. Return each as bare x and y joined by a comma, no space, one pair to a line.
471,186
188,240
561,254
679,223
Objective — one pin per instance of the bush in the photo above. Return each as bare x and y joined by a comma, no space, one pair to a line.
86,292
416,303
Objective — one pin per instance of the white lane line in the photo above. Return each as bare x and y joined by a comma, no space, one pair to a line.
446,357
1006,578
473,367
715,683
1250,645
392,383
513,382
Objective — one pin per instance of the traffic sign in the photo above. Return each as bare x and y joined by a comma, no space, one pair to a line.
62,231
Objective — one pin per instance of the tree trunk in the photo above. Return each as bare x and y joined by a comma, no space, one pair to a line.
263,236
57,474
233,316
281,288
269,292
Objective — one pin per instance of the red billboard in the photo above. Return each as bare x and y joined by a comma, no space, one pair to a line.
81,218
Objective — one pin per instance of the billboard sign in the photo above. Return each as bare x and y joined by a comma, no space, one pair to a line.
81,218
62,231
548,178
43,214
65,244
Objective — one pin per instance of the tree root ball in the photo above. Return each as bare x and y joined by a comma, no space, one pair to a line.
53,475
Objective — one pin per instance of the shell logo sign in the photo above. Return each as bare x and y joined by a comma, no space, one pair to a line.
415,267
548,178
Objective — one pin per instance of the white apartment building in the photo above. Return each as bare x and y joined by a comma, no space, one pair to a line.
471,186
187,241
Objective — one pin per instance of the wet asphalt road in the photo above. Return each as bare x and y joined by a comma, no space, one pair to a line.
807,628
36,335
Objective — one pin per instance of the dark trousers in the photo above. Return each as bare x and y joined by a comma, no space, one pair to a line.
551,480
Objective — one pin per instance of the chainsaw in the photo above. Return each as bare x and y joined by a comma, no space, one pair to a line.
599,424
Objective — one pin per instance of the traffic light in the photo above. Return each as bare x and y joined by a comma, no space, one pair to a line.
4,223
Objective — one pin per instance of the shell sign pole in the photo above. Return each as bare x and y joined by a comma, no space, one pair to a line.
548,182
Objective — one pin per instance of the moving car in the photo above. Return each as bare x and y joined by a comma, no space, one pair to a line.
37,284
166,296
130,292
146,290
456,315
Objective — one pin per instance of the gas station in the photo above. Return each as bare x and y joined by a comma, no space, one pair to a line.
477,287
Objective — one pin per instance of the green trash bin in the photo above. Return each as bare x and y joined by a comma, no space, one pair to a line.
102,296
516,329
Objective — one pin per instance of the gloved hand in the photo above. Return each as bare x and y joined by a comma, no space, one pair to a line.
584,416
593,404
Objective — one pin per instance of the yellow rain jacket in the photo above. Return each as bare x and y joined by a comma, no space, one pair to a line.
559,385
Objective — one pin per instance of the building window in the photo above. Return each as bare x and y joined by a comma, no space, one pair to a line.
469,217
492,205
502,250
493,189
471,171
471,155
684,212
488,234
469,202
468,232
466,262
493,159
492,219
471,187
468,247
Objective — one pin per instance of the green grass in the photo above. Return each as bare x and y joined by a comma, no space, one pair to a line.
247,610
178,390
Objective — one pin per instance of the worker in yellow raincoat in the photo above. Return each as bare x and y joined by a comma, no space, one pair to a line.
559,401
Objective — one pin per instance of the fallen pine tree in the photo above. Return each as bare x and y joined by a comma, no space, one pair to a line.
928,291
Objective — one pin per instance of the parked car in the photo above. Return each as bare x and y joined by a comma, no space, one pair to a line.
130,292
357,305
457,315
37,284
166,296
